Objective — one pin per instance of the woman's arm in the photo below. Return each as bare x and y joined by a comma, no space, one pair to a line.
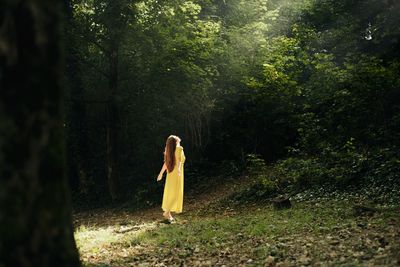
180,160
179,168
160,175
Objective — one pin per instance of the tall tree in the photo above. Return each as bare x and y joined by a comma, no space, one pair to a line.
35,217
76,111
102,25
114,25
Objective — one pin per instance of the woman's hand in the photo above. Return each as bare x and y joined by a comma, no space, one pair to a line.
160,175
179,172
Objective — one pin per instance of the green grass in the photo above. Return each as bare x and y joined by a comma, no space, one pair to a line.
263,222
326,234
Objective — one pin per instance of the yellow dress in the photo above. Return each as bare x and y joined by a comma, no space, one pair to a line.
173,189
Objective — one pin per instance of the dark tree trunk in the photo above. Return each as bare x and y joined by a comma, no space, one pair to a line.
115,27
35,211
112,126
76,118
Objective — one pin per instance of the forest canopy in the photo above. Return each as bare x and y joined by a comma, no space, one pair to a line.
311,86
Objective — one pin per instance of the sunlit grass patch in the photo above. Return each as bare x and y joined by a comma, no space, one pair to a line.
104,245
93,239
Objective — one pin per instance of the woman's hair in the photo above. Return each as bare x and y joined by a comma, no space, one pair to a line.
169,153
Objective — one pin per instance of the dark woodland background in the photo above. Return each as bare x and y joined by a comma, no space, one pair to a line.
309,86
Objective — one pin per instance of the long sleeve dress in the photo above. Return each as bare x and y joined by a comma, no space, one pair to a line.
173,189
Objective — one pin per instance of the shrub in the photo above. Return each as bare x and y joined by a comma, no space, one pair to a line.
266,184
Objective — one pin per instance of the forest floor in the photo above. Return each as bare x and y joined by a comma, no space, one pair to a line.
213,231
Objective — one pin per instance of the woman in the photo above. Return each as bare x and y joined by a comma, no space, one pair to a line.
174,158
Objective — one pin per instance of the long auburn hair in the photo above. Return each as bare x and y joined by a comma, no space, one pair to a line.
169,153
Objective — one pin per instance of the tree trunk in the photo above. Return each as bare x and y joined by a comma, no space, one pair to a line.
115,26
76,115
35,211
112,125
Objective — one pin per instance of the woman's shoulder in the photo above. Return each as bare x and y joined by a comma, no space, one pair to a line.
179,147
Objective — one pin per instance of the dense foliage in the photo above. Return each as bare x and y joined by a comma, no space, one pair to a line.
312,84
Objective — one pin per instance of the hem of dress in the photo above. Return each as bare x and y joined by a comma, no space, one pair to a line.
173,210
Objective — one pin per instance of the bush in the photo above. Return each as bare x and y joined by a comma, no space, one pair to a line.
374,172
339,167
266,184
301,172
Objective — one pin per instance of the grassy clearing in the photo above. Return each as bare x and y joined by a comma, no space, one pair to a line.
324,234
